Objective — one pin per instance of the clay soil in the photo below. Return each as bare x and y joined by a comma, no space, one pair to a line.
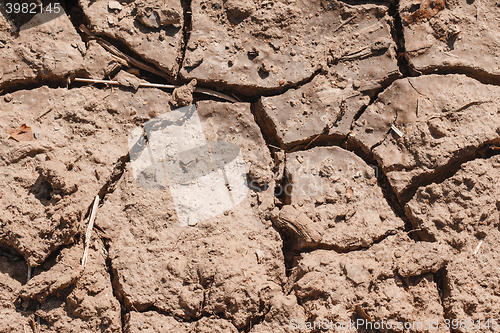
369,134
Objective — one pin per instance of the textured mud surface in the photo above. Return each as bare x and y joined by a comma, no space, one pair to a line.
441,119
266,46
453,36
364,135
152,29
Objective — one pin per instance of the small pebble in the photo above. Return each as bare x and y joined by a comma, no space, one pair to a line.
114,5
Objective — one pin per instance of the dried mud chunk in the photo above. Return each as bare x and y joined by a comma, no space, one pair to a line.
195,59
47,47
62,275
424,257
88,306
257,47
300,226
183,95
240,8
338,191
461,209
56,174
455,34
127,80
441,119
293,119
138,106
98,62
147,27
152,321
283,312
321,111
225,264
471,285
155,14
362,287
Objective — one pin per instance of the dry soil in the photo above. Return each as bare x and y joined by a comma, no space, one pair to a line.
369,136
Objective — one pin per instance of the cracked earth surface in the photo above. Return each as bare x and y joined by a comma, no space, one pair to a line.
370,136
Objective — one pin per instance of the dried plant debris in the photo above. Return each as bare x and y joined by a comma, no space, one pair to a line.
23,133
426,10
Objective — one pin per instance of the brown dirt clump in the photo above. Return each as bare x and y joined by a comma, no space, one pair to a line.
183,95
12,277
157,262
154,322
363,285
462,209
471,289
228,265
85,302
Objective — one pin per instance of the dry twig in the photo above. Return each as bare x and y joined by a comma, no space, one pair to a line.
344,23
478,246
89,230
165,86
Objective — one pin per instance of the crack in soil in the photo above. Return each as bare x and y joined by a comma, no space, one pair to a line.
441,279
474,73
76,15
116,174
40,81
109,269
448,170
186,32
398,36
285,88
109,187
323,139
256,320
